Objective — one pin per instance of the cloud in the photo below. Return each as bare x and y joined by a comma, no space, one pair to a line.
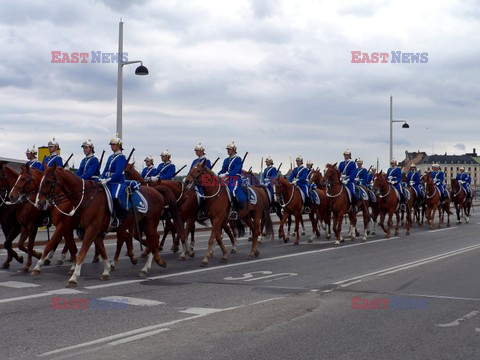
460,146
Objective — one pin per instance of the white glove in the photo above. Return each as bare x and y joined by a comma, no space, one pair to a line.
294,181
461,181
103,181
412,183
390,178
345,181
147,178
154,178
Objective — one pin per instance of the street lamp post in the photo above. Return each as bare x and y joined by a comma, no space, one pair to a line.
404,126
141,70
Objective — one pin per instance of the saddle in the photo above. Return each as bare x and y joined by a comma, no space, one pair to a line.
131,198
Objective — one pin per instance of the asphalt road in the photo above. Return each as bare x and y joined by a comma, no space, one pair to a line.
305,302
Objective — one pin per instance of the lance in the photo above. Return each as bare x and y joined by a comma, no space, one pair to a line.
279,166
130,155
250,170
183,167
218,158
66,162
244,156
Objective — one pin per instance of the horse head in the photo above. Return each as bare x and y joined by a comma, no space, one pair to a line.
24,184
196,175
380,183
46,190
132,174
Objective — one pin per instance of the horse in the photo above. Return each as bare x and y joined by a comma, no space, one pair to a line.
432,200
27,185
11,228
218,209
389,203
416,205
322,210
459,198
94,216
340,205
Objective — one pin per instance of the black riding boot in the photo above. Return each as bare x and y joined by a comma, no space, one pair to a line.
118,213
307,205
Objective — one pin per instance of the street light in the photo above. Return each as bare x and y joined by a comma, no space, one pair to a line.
404,126
140,70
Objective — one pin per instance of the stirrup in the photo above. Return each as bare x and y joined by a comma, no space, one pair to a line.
233,215
307,210
115,223
403,207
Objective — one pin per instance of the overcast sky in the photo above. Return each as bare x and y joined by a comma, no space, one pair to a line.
276,77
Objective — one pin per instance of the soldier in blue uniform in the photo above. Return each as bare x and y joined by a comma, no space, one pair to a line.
465,180
394,177
200,152
348,173
414,180
299,177
32,159
269,176
231,175
310,170
439,179
370,177
166,170
54,158
90,166
362,173
149,169
113,176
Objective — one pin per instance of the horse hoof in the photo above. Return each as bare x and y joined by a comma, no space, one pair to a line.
328,237
387,236
337,243
303,232
181,258
364,240
134,260
142,274
204,264
20,259
286,240
72,284
25,269
296,242
59,262
407,233
373,233
224,260
257,253
95,260
70,272
192,254
233,251
46,262
112,266
35,272
105,277
5,265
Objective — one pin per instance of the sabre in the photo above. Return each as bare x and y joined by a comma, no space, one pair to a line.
279,166
130,156
218,158
244,156
66,162
101,159
183,167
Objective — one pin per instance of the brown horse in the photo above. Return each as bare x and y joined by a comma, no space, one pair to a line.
416,205
29,218
389,204
432,200
290,199
459,198
340,205
322,211
27,185
218,210
94,216
8,214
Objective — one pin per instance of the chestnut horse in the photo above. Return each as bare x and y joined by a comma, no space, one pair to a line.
432,201
94,216
340,205
459,198
417,206
8,214
389,204
322,211
218,210
290,199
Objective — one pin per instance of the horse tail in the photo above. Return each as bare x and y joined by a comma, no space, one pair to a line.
240,228
171,202
267,221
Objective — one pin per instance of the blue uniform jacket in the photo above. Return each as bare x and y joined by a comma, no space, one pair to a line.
149,171
35,164
232,168
48,161
268,175
114,170
166,171
362,176
300,174
349,170
89,168
199,160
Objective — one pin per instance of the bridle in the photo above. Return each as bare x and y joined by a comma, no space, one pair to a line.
196,182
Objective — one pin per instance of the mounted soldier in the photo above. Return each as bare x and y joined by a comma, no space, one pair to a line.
414,181
465,180
298,177
362,173
231,175
32,159
114,178
438,177
149,171
371,175
166,170
269,176
90,166
200,152
310,169
394,177
348,173
53,158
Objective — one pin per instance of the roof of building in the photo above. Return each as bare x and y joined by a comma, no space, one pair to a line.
448,159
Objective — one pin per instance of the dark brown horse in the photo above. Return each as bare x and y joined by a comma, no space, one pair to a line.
389,204
290,199
432,200
459,198
322,211
8,213
218,210
94,216
416,205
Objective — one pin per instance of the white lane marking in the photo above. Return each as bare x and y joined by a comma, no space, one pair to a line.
450,228
457,321
17,284
350,283
432,259
200,311
443,297
328,291
267,300
222,267
132,301
473,247
143,331
136,337
46,293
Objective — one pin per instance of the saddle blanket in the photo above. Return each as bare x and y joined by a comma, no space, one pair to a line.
132,196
